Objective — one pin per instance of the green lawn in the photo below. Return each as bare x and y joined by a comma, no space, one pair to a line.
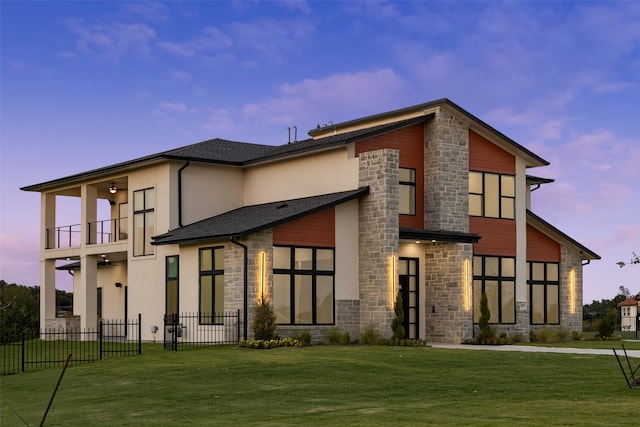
327,385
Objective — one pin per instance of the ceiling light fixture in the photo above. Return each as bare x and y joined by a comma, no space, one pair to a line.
113,188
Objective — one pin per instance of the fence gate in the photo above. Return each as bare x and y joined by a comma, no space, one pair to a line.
201,329
172,330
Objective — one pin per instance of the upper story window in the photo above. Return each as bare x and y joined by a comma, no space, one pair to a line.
407,202
172,287
492,195
144,222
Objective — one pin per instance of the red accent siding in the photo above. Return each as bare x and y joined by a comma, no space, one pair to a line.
410,142
497,236
485,156
541,247
316,229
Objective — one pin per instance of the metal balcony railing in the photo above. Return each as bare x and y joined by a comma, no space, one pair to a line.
98,232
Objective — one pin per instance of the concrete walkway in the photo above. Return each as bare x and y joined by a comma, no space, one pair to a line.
537,349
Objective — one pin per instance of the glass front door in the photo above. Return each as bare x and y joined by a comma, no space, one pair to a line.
408,279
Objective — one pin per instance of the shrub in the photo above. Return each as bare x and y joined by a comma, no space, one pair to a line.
487,334
370,336
264,321
397,324
608,324
576,336
335,336
517,337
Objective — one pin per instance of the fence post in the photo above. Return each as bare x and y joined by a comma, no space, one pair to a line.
139,333
22,351
100,336
238,327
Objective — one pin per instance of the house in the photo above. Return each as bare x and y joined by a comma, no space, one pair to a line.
629,313
427,202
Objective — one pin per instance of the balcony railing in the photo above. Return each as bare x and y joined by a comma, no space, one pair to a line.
98,232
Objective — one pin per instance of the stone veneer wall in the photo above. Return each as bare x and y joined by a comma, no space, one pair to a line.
234,275
378,237
446,178
571,260
445,318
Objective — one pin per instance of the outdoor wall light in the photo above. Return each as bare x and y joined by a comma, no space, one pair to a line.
113,188
392,279
572,291
467,284
118,285
263,272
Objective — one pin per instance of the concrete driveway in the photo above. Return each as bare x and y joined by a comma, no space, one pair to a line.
537,349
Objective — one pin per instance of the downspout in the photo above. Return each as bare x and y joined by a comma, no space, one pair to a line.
246,284
180,192
586,263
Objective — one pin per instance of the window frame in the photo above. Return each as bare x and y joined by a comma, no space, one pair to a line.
411,185
169,278
502,196
314,273
501,280
146,239
213,317
547,284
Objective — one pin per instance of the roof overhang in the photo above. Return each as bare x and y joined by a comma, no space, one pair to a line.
437,236
250,219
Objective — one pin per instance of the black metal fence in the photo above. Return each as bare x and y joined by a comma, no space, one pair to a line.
201,329
51,347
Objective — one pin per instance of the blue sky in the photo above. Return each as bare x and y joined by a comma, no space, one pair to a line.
88,84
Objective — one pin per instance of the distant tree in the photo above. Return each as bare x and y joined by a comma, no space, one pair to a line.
19,310
635,259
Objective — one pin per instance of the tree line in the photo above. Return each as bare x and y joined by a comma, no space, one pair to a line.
20,309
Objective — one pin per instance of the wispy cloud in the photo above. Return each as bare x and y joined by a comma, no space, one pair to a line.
113,40
343,94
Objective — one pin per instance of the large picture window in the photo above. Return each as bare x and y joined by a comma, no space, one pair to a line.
211,285
144,224
407,190
171,285
543,291
495,276
303,285
492,195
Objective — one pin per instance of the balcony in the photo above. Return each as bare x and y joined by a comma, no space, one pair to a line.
98,233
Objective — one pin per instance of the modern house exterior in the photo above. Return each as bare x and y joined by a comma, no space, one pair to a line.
427,202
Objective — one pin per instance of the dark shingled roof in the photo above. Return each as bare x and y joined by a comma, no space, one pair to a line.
250,219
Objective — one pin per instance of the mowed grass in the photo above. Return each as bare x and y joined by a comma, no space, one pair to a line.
327,385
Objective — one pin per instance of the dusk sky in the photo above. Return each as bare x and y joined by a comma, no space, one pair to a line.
89,84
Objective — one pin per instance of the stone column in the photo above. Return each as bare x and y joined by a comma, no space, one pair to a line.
378,237
446,178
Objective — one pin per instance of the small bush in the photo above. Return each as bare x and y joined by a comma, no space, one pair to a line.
487,334
335,336
370,336
267,344
533,337
517,337
608,325
264,321
576,336
305,337
397,324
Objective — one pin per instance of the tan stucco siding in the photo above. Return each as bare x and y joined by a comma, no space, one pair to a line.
322,173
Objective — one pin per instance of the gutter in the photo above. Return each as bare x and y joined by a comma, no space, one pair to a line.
246,284
180,191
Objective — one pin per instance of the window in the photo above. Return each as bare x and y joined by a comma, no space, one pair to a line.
496,276
211,285
171,285
492,195
543,285
407,190
143,221
123,228
303,285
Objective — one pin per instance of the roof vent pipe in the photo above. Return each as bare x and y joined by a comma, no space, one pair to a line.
295,134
